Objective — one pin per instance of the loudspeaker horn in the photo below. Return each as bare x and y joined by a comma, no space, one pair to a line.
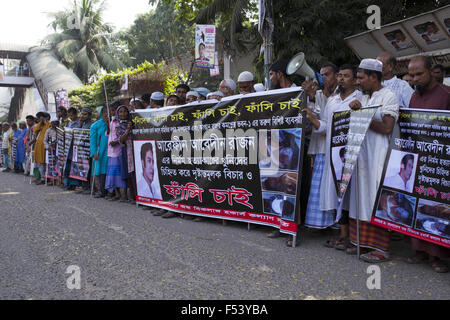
298,65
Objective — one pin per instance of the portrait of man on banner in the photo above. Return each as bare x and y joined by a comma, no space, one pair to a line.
146,170
205,38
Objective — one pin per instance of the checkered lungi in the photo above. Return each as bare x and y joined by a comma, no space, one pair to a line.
370,236
316,218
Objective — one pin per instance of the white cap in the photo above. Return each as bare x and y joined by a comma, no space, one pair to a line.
245,76
231,84
215,93
371,64
192,93
259,87
157,96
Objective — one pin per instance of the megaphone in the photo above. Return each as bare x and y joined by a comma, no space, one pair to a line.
299,66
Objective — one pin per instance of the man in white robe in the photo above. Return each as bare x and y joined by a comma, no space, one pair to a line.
369,166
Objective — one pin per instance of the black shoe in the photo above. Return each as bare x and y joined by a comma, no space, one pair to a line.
169,214
274,234
158,212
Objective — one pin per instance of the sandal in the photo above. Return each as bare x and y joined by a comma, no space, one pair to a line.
342,244
374,257
417,258
274,234
439,266
330,243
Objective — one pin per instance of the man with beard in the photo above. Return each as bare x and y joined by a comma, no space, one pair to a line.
181,90
400,87
323,201
370,163
429,93
227,87
315,142
246,82
278,77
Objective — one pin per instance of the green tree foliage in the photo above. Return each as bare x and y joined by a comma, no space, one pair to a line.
83,42
316,27
157,35
319,27
93,94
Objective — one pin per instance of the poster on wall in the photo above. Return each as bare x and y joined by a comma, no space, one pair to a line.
205,46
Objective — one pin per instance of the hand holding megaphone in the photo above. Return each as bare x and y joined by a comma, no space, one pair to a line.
310,87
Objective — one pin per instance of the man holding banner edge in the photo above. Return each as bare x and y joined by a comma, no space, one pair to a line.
369,166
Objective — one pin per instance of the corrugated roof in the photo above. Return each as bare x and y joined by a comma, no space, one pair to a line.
54,75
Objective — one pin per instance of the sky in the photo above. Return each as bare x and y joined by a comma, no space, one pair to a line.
25,21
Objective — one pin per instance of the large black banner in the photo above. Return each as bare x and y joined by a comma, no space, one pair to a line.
80,156
348,131
60,149
414,195
238,159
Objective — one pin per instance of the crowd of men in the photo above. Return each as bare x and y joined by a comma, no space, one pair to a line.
346,87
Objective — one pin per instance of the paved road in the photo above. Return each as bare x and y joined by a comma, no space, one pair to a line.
125,253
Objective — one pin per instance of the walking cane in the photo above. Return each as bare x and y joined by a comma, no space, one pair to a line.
357,215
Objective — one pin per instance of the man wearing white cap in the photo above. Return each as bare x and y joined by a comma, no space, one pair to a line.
192,96
369,166
227,87
259,87
156,100
218,95
246,82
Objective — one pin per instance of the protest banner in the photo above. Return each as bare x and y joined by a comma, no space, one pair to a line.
414,194
348,130
60,157
215,71
238,159
13,153
205,46
50,161
62,99
68,137
81,153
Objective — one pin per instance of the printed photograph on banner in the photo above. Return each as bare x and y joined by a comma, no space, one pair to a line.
396,207
279,205
429,32
447,24
398,40
401,170
433,217
338,156
272,203
283,155
78,170
147,177
205,40
276,181
288,211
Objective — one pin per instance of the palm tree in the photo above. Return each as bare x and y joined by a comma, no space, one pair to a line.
82,41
